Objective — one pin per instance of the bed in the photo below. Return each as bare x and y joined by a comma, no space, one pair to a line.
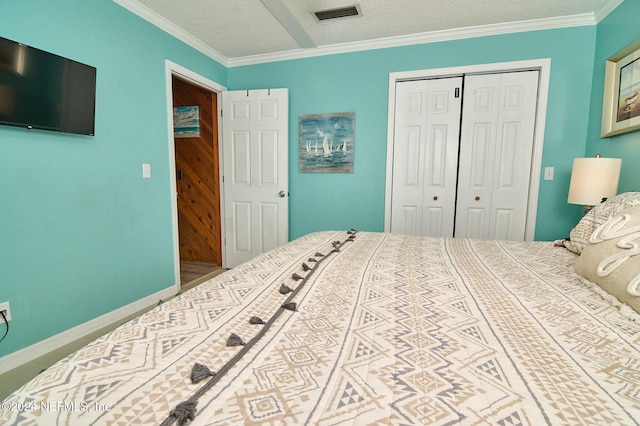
362,328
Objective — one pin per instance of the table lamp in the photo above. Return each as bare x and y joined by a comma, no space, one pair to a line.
593,180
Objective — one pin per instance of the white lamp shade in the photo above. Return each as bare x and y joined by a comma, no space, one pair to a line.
593,179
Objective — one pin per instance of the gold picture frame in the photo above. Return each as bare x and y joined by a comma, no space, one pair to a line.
621,103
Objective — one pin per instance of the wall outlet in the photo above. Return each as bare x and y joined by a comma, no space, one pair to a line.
4,308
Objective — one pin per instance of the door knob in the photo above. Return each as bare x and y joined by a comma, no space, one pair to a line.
435,198
477,198
281,194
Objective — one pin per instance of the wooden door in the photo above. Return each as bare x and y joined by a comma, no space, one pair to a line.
255,148
496,147
197,182
425,157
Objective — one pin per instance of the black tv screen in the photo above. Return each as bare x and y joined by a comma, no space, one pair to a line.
41,90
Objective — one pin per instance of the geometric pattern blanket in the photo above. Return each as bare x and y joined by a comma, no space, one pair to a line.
390,329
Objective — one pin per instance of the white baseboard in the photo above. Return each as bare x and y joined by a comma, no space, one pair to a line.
50,344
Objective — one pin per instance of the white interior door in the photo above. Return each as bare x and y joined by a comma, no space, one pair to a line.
497,135
255,169
425,156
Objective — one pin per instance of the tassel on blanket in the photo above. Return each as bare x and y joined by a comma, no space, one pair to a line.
256,320
351,231
200,372
185,412
296,276
318,254
305,267
311,259
234,340
290,306
284,289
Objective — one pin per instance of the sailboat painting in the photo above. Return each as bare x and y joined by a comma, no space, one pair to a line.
326,142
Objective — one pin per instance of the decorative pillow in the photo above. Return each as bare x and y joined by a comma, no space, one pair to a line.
597,216
611,257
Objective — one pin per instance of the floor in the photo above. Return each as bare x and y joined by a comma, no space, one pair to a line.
191,275
194,273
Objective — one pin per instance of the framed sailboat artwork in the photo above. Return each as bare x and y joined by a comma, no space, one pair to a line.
621,104
327,143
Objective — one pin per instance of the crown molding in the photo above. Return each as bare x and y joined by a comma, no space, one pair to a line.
585,19
172,29
606,9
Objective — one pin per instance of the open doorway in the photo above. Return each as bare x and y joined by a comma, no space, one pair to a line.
197,182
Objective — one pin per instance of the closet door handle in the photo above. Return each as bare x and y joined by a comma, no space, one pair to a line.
435,198
477,198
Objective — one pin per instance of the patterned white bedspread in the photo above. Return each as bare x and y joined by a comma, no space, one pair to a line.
391,329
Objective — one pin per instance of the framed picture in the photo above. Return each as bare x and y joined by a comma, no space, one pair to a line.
186,122
327,143
621,104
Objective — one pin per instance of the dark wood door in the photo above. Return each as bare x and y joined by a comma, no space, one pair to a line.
197,174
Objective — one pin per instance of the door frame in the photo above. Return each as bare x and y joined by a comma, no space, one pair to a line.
542,65
197,80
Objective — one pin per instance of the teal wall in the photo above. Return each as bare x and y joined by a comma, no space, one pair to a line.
615,32
81,232
358,82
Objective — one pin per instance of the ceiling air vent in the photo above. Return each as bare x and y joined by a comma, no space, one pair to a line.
341,12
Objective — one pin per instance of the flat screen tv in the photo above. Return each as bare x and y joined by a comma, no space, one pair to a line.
40,90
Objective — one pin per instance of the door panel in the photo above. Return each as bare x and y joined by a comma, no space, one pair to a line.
268,158
425,156
517,122
475,221
495,155
255,145
504,223
197,183
434,220
241,158
242,228
477,148
269,234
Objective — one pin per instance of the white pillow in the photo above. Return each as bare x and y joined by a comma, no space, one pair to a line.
597,216
611,257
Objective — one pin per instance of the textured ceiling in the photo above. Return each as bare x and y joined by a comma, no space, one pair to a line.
244,28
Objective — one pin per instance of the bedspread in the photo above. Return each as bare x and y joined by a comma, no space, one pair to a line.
385,329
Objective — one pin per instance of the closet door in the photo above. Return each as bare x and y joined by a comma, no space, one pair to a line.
496,146
426,134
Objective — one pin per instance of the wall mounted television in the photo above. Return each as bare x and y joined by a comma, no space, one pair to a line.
41,90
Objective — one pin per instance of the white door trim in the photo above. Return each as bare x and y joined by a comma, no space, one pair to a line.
543,65
194,78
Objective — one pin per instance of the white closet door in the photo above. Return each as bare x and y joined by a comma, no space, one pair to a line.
498,120
426,134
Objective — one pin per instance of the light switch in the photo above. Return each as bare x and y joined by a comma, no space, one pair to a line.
548,173
146,170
